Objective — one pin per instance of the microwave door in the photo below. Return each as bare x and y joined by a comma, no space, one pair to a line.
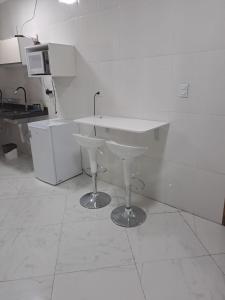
36,63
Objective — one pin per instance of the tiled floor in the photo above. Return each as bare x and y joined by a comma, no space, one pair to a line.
51,248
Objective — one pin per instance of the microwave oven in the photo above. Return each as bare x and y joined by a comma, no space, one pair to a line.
38,63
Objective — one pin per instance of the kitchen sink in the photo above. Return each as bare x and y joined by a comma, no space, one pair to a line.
3,110
17,111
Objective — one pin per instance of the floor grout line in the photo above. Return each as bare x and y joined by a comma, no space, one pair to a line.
58,247
217,264
105,267
95,269
30,226
135,263
172,258
68,272
66,193
198,238
195,234
102,268
27,278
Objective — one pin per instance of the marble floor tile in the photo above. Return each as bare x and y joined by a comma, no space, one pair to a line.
171,260
187,279
151,206
39,288
163,236
83,184
148,204
33,186
114,191
21,167
91,245
220,261
74,212
26,253
212,235
10,187
35,211
5,206
75,184
120,283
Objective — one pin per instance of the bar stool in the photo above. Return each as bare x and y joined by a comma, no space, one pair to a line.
127,215
94,199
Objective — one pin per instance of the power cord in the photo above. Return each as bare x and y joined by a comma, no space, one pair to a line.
31,19
54,93
96,94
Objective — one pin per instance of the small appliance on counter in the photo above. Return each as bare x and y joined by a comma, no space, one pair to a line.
38,63
56,155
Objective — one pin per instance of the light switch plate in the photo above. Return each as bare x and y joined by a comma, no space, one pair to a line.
184,90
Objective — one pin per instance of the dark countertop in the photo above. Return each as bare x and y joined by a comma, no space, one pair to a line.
17,111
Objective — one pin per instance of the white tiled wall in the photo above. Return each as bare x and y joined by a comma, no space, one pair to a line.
137,53
13,77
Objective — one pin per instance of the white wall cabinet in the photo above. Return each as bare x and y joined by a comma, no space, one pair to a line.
61,59
12,51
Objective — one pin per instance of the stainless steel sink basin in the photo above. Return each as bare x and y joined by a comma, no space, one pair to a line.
4,110
17,111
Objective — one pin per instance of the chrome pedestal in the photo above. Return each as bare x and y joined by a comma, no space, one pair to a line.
95,199
128,217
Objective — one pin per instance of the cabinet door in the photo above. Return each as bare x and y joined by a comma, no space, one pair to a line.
43,154
66,151
9,51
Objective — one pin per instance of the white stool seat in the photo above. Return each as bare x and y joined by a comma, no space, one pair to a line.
91,144
127,215
125,151
93,199
88,141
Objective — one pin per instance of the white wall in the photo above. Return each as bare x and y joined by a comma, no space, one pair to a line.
13,77
137,53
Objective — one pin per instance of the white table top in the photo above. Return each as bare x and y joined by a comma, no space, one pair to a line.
125,124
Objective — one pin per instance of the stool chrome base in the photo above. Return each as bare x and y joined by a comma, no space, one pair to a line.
128,217
95,200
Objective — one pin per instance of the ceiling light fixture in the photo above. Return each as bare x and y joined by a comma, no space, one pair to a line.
69,1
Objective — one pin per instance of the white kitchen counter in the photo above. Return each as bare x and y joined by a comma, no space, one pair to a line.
124,124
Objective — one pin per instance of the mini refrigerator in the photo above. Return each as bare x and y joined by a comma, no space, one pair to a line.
56,154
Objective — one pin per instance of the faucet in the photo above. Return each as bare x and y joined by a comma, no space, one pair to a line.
1,97
25,96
